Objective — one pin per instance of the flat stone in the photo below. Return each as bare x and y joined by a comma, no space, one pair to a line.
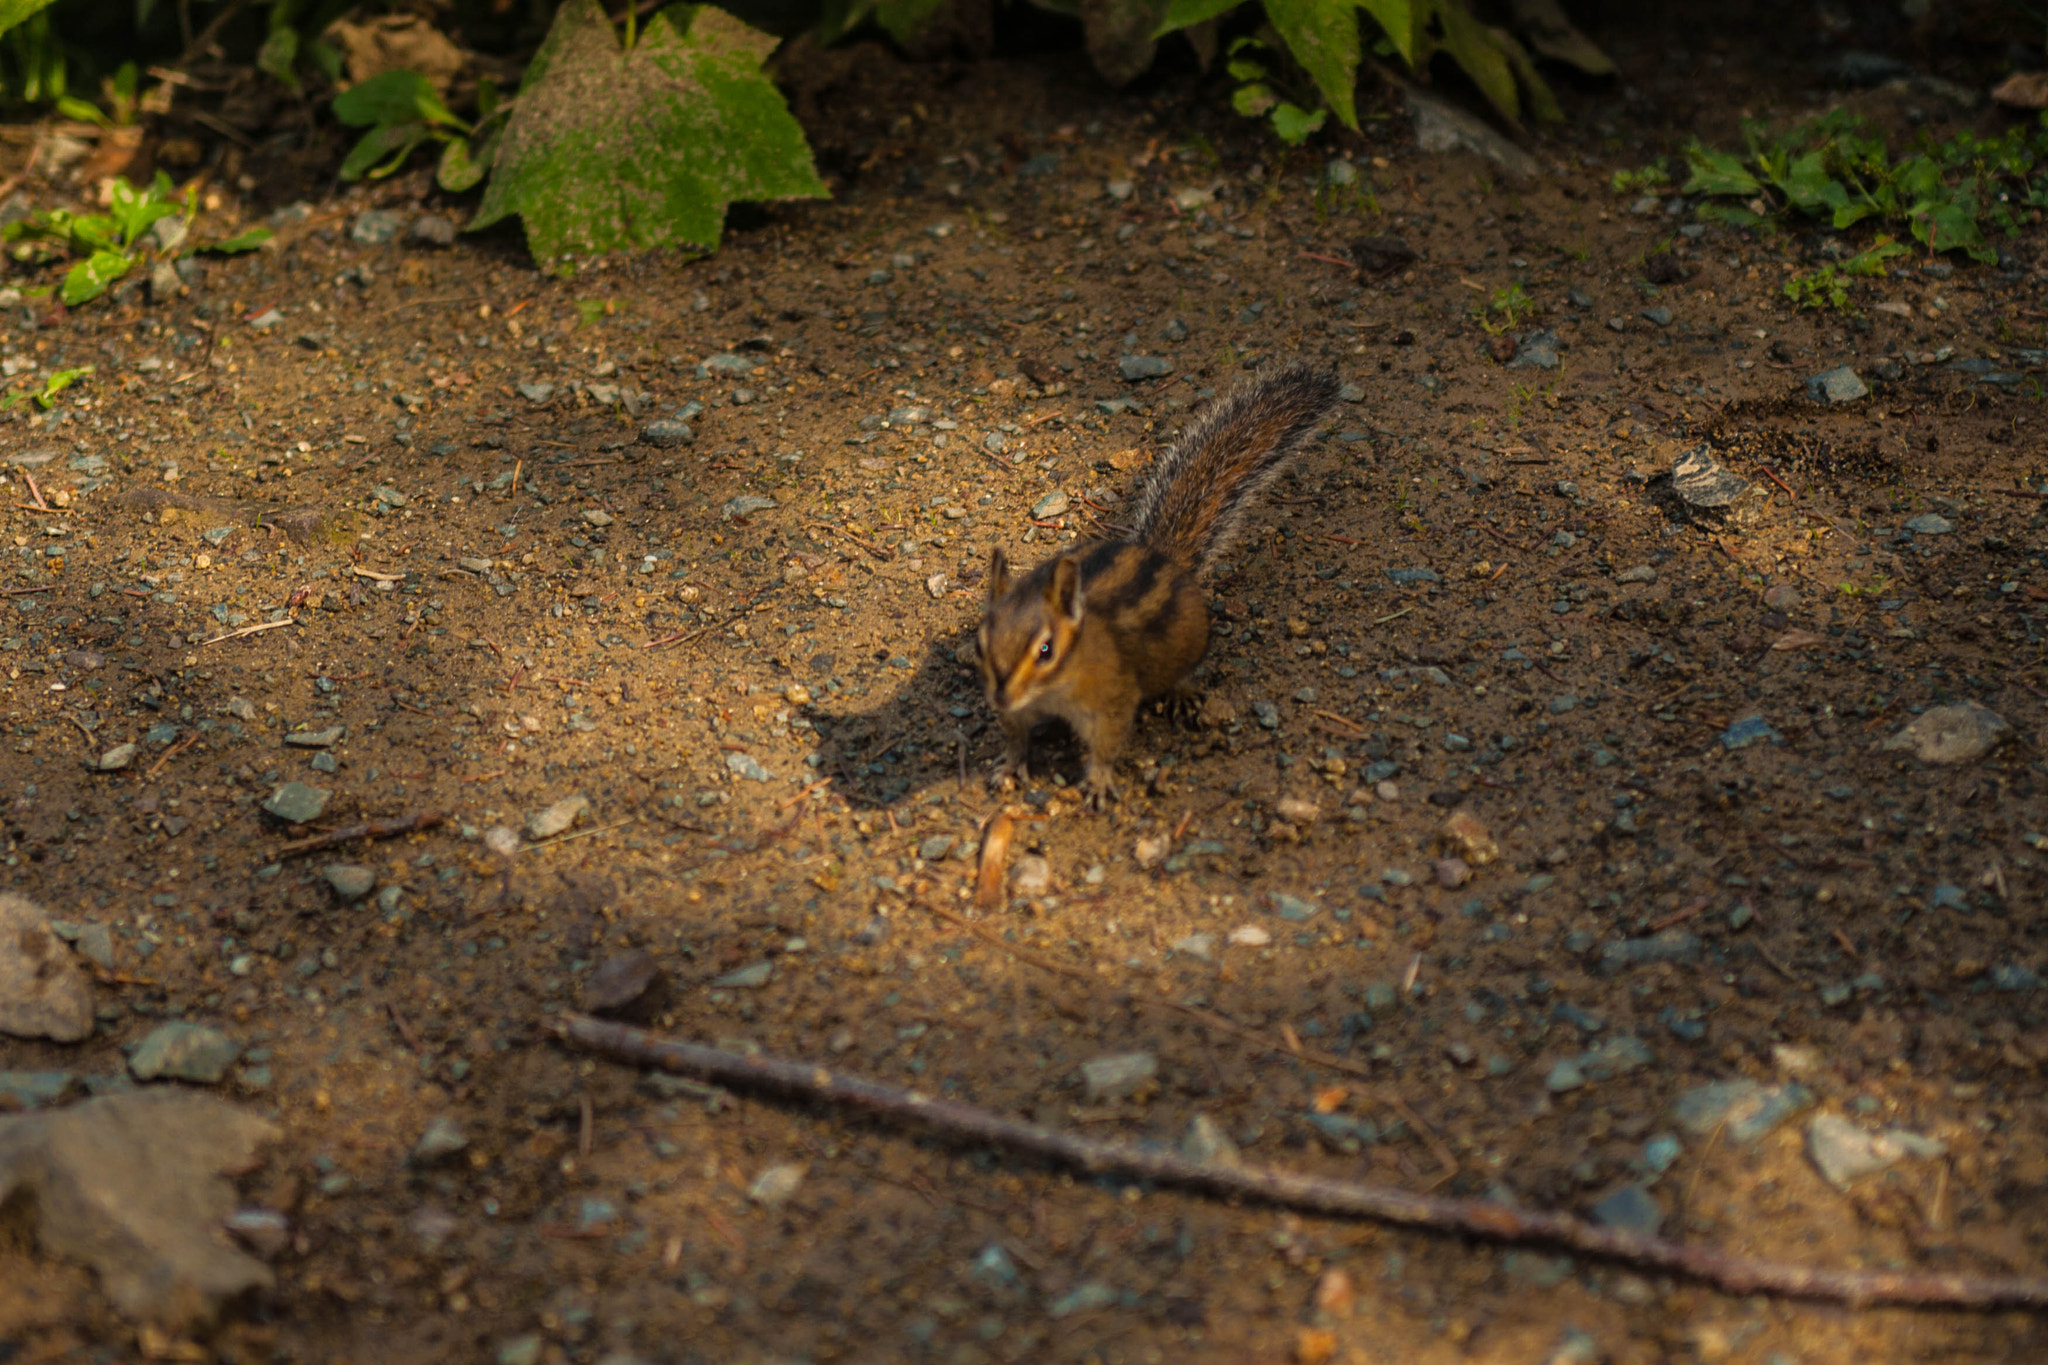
1629,1209
1743,1110
1535,351
432,229
1466,835
1750,730
1961,733
747,766
546,824
1140,367
1410,577
1294,908
1564,1076
131,1186
1929,524
1031,875
374,227
629,984
1641,573
182,1051
442,1138
1839,385
1118,1075
1843,1153
1206,1142
317,739
1703,481
295,802
1659,316
777,1185
1053,504
351,881
1669,945
43,992
749,978
745,504
536,391
667,433
1441,127
730,366
114,759
34,1089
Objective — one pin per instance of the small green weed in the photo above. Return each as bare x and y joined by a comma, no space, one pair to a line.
45,396
1876,585
1828,287
1255,96
1945,193
1508,307
401,111
1649,178
113,242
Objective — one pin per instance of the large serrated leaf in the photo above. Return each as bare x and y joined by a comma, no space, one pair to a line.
14,12
607,149
1396,19
1323,37
1182,14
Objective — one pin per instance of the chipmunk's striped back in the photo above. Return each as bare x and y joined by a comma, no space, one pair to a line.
1195,499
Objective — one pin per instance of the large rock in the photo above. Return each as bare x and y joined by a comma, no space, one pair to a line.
131,1185
1961,733
43,992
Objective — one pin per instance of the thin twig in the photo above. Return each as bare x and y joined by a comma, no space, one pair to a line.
579,834
369,829
250,630
180,747
1480,1218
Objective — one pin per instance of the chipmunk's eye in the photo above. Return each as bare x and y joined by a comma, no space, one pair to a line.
1045,652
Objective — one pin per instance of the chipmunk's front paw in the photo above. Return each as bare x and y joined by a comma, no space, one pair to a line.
1097,792
1008,775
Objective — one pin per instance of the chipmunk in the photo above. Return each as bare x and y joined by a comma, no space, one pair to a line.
1090,634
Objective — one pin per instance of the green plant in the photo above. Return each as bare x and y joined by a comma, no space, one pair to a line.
1256,98
643,144
1835,169
1828,287
112,242
401,111
1510,304
1649,178
45,396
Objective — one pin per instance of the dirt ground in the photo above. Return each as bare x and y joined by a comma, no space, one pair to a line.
751,653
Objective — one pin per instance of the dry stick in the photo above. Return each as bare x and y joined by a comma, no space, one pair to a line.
250,630
180,747
369,829
579,834
1478,1218
2021,493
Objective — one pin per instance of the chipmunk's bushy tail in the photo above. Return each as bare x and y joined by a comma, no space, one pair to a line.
1199,491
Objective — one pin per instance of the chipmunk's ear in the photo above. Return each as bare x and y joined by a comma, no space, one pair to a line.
998,573
1063,593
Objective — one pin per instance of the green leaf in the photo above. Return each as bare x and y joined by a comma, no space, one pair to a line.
377,144
1252,100
1730,214
1473,49
607,150
393,97
1245,69
91,277
279,55
1396,19
83,111
1323,37
1718,173
1182,14
247,240
60,381
458,170
1806,182
905,19
1296,125
13,12
134,211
